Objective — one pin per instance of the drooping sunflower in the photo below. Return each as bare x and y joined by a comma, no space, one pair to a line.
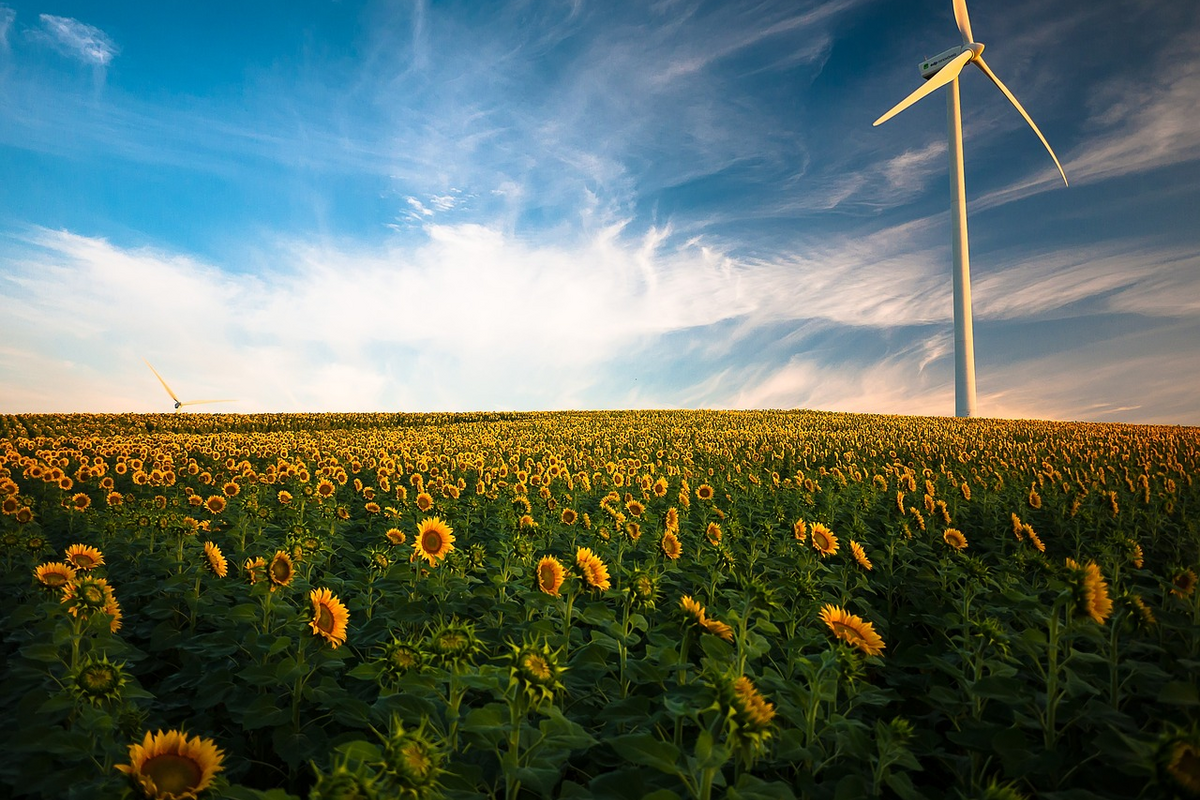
1093,594
823,539
692,609
595,573
550,575
954,538
800,530
281,569
713,533
699,617
671,546
84,556
434,540
216,560
750,716
860,555
671,521
395,536
718,629
1183,582
54,574
852,629
169,766
330,616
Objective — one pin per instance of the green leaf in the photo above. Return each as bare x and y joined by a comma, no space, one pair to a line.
644,749
1178,693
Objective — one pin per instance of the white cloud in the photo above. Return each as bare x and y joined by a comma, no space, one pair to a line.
79,40
7,16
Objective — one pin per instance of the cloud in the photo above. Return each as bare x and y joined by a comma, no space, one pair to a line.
7,16
79,40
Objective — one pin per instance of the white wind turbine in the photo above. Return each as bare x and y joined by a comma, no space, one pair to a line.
938,71
178,403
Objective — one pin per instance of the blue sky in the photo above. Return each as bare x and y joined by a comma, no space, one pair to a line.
319,206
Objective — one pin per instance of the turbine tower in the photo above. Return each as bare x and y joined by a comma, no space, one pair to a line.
938,71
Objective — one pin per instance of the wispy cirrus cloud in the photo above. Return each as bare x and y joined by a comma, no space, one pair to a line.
7,17
81,41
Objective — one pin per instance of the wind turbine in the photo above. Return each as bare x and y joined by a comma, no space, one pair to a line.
938,71
179,403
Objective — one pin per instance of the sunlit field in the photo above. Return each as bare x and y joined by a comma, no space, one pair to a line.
609,604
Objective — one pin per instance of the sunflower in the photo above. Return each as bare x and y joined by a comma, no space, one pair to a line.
852,629
80,502
169,766
569,516
671,546
434,540
285,497
954,538
87,595
800,530
752,713
325,489
1183,582
255,568
281,569
424,501
634,508
550,575
699,617
330,617
84,556
215,503
395,536
231,489
1183,764
860,555
97,681
54,575
718,629
713,533
823,539
593,569
1092,591
704,492
671,521
216,561
537,671
692,609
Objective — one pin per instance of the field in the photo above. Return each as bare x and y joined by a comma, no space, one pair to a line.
606,604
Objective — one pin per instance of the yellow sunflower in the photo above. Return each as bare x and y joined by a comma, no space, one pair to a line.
550,575
395,536
594,570
424,501
800,530
330,617
215,503
80,502
671,546
1183,583
692,609
823,539
704,492
860,555
216,560
852,629
256,569
434,540
84,556
713,532
281,569
954,538
169,766
569,516
54,574
1093,591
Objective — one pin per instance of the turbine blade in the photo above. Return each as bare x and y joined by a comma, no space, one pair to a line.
940,79
160,380
1012,99
201,402
963,20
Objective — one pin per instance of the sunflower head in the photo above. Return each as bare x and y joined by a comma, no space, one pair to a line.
593,570
343,783
281,570
860,555
169,766
215,560
401,657
643,589
749,718
97,681
330,617
852,629
255,568
823,539
1090,590
1183,582
412,760
84,557
954,538
456,644
550,575
55,574
1178,761
536,670
434,540
671,546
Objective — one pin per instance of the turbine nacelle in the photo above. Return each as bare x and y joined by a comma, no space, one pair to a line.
931,66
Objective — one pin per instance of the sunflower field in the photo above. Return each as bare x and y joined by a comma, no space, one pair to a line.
667,604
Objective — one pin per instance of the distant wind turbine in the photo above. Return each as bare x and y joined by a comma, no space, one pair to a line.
938,71
179,403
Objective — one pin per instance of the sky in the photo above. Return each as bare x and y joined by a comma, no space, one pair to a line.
553,204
